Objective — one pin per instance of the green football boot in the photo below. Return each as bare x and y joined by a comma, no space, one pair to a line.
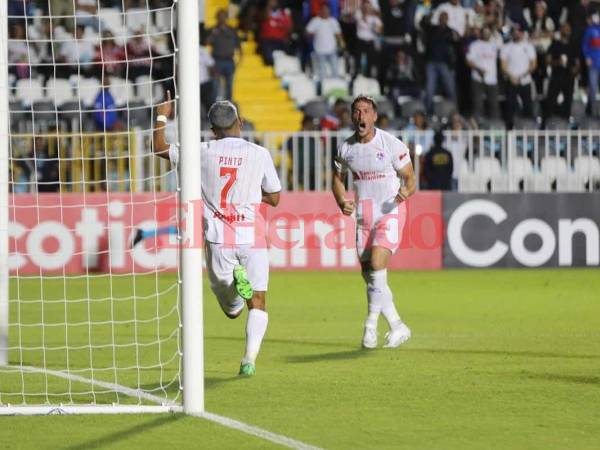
242,285
247,369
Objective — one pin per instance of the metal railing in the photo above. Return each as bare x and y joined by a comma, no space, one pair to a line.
485,160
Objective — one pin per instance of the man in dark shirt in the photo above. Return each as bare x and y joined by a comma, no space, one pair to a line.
441,59
563,57
225,42
438,165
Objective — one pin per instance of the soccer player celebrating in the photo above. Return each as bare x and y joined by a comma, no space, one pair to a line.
383,179
236,177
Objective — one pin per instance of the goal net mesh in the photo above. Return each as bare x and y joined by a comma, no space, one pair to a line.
92,319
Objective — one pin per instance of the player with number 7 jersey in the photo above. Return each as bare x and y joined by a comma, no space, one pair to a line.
237,176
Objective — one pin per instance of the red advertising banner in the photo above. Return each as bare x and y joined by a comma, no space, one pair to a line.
79,233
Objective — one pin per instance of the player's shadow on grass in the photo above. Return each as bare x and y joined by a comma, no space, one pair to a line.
518,353
284,341
110,439
350,354
574,379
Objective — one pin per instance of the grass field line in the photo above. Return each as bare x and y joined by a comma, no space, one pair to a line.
221,420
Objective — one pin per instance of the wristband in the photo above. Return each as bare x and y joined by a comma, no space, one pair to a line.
161,118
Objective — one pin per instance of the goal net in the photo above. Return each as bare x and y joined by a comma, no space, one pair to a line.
86,317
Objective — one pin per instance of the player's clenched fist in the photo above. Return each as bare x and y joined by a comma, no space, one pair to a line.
347,207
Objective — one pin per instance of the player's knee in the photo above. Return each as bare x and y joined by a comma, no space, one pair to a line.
257,301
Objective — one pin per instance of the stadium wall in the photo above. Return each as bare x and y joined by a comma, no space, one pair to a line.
307,232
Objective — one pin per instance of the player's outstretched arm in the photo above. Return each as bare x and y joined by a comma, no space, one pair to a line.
409,185
160,146
339,191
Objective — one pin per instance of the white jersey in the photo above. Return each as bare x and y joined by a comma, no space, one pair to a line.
373,166
234,174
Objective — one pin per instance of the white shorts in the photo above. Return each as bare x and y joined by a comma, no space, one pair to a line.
220,261
385,232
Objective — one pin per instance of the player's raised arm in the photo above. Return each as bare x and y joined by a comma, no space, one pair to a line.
409,183
160,146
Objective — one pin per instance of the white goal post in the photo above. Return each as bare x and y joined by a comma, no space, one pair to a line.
123,333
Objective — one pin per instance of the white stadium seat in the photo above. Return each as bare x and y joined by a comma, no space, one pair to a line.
334,86
59,91
366,86
587,167
121,90
287,64
86,89
29,91
302,90
553,166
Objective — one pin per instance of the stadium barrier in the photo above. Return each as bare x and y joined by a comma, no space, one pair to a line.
307,232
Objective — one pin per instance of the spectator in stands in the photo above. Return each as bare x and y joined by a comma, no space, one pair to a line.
541,28
105,111
518,62
77,53
563,59
419,136
225,43
333,120
591,51
368,29
327,39
457,17
383,122
275,29
438,165
482,57
401,78
348,10
20,55
441,59
207,82
109,57
398,18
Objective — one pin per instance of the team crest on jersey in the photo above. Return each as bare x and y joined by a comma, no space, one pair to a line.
380,155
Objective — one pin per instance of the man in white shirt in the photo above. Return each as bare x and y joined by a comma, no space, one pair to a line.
482,58
327,36
237,176
383,180
458,17
518,61
368,29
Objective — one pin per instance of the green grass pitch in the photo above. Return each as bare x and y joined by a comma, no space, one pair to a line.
506,359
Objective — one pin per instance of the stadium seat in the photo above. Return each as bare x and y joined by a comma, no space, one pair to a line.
59,91
553,166
287,64
537,182
138,19
443,108
147,91
486,168
365,86
570,182
112,19
316,108
557,123
410,107
162,18
302,90
469,181
290,78
44,112
121,90
334,87
587,168
86,89
29,91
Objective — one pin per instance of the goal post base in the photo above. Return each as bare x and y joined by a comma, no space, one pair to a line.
45,410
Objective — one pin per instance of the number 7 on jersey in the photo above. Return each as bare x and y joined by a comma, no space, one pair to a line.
232,173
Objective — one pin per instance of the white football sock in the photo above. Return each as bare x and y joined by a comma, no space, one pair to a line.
256,326
378,287
372,300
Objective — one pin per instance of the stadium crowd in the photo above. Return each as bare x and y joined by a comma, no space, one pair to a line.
455,65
